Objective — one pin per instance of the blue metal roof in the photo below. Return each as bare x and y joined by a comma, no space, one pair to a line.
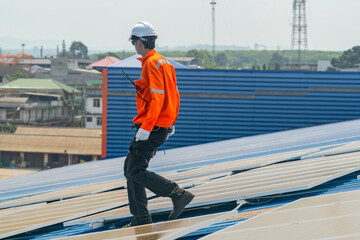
133,62
226,104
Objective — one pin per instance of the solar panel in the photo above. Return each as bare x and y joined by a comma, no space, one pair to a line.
192,166
65,194
345,148
333,216
181,158
265,181
160,229
238,165
57,212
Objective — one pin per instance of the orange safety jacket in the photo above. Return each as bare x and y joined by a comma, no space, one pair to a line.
159,89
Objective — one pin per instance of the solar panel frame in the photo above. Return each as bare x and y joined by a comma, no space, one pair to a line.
306,178
313,212
228,150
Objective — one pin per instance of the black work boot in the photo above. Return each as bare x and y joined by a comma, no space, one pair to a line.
180,202
138,221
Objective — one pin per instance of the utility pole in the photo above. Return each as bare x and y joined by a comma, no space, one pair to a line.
213,3
299,35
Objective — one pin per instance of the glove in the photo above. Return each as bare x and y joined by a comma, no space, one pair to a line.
142,135
171,131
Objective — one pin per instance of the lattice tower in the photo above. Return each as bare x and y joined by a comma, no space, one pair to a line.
299,35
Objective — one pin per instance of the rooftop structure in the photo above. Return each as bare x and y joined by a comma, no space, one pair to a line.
270,176
46,147
105,62
133,62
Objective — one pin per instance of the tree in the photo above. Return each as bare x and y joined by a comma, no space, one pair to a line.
78,50
277,66
221,60
17,75
63,52
11,59
277,59
202,57
348,59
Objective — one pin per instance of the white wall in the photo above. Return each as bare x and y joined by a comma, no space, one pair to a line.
93,122
323,65
2,114
33,113
90,106
39,114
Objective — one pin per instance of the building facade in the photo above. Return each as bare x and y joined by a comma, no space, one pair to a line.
44,147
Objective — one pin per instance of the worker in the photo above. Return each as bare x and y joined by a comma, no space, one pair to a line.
158,103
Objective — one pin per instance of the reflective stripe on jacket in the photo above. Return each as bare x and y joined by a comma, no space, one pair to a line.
159,89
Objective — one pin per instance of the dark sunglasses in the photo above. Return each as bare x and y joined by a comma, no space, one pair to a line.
133,41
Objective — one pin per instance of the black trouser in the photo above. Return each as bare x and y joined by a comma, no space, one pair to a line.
138,178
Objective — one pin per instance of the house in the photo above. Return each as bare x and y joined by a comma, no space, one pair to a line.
187,61
34,108
67,71
93,104
105,62
133,62
49,147
323,65
37,101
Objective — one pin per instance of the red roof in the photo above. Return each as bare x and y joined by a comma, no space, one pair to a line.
105,62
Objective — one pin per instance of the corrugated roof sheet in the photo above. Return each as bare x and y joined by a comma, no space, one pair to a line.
183,160
334,216
34,83
133,62
50,144
105,62
226,104
14,100
53,131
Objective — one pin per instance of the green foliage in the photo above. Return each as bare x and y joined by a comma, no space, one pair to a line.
236,59
14,76
78,50
277,66
221,60
9,127
202,58
277,60
63,53
348,59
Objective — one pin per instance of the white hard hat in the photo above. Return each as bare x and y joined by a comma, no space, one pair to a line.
143,29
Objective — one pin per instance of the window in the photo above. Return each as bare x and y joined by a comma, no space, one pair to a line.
96,103
89,119
98,121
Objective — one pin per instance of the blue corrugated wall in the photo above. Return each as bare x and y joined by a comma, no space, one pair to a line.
224,104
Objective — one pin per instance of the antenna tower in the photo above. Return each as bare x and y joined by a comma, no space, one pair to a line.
213,3
299,35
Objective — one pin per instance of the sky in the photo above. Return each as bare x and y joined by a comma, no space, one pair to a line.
106,24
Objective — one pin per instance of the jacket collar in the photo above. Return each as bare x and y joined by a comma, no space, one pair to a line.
149,54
